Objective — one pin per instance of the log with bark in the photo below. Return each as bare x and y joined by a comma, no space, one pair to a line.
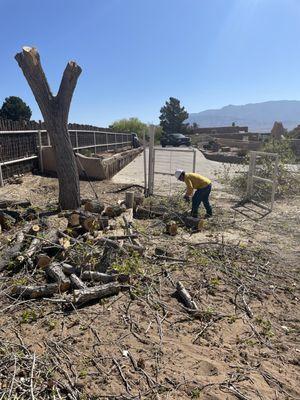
84,296
14,203
55,272
129,199
6,221
12,251
114,211
55,110
94,206
76,282
172,228
94,276
34,292
185,297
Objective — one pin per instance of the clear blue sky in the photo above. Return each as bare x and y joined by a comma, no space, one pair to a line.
137,53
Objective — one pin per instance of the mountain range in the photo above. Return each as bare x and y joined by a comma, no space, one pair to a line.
259,117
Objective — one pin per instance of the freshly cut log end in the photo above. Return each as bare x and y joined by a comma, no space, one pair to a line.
34,292
94,206
194,223
43,261
172,228
96,293
55,272
74,220
185,297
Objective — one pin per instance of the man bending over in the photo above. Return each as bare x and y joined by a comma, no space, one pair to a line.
202,187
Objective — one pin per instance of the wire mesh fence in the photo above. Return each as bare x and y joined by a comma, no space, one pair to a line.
19,149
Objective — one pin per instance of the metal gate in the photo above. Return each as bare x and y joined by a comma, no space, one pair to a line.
163,162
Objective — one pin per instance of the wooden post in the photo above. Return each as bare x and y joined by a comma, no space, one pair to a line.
250,175
129,199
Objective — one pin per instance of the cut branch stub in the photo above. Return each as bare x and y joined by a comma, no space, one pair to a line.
55,110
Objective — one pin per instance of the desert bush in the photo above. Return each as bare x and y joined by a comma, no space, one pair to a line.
288,175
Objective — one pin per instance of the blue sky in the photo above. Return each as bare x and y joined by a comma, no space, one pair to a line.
137,53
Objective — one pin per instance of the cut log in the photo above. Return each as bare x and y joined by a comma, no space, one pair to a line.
146,213
76,282
104,278
129,199
17,215
96,293
74,219
34,229
54,271
114,211
97,277
94,206
193,223
6,221
69,269
89,222
34,292
185,297
138,199
11,252
33,248
43,261
12,203
172,228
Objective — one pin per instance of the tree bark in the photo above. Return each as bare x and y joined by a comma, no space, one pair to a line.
55,110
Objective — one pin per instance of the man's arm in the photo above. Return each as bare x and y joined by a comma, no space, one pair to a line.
189,187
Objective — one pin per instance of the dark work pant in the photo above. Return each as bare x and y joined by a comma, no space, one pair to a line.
201,195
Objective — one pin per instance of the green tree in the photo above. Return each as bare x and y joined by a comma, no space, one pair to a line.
15,109
172,116
129,125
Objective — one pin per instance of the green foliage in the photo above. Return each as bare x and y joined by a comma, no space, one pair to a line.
15,109
130,125
130,265
172,116
28,316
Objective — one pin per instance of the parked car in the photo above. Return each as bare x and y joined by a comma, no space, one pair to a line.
175,139
135,141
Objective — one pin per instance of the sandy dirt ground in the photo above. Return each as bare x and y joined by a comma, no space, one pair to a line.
242,272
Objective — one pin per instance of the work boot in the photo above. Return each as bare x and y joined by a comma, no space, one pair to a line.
206,216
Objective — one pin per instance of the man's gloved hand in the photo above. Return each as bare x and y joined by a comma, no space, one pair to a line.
187,198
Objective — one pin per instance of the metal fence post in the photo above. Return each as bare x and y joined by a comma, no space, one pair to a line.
151,161
1,176
194,161
95,144
145,164
76,140
40,152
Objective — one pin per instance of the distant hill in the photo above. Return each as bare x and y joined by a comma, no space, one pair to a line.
259,117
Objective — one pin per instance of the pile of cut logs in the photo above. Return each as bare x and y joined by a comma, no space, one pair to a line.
75,264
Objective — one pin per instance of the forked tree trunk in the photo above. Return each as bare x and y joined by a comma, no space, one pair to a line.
55,111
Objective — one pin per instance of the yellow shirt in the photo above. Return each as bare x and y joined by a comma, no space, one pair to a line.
195,181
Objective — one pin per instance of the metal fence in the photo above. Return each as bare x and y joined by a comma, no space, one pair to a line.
19,149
